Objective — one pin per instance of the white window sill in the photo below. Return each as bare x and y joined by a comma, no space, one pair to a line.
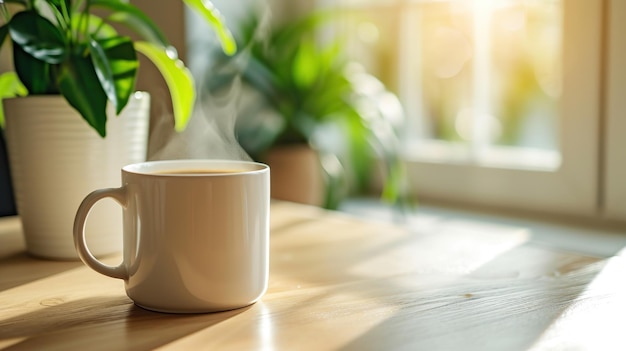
426,218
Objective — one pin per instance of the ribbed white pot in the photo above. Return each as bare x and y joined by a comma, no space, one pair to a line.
56,159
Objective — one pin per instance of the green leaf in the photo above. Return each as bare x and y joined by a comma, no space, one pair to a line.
80,86
216,20
60,5
393,185
60,9
132,17
116,65
305,66
38,37
36,75
360,156
4,31
98,29
10,86
178,79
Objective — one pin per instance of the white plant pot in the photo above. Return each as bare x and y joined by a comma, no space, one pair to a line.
56,159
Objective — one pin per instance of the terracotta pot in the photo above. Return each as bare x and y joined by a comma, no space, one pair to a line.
296,174
56,159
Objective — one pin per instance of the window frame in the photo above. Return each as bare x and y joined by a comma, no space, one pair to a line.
614,186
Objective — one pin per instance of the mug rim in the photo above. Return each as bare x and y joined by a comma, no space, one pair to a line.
150,168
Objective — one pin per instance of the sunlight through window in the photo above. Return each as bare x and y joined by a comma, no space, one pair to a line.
480,80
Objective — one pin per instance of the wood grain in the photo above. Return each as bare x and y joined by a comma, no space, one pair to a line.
338,282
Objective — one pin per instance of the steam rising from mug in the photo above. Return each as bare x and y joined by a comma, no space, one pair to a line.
210,133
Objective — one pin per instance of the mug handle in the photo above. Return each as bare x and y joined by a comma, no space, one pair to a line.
119,195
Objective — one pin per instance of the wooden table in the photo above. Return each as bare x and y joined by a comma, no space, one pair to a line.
338,282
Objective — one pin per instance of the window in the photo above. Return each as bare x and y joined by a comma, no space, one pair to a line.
506,100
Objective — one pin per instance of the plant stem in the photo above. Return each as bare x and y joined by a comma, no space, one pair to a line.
67,19
77,5
82,28
85,17
60,17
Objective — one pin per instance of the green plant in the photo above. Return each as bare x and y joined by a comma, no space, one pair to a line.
63,47
320,98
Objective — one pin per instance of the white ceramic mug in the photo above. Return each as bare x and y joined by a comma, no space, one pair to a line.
196,234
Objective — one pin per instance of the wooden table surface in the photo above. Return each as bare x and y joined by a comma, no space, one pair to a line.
338,282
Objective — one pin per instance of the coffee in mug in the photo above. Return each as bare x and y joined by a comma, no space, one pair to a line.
196,234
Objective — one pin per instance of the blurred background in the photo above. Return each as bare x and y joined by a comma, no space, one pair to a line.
508,104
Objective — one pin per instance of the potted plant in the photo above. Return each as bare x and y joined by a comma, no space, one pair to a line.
73,73
306,104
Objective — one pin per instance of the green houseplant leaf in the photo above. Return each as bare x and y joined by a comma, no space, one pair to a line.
38,37
4,31
79,84
215,19
116,66
10,86
305,68
94,25
37,76
178,79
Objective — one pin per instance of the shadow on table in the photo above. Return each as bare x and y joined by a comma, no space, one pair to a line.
102,323
17,267
25,268
475,314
